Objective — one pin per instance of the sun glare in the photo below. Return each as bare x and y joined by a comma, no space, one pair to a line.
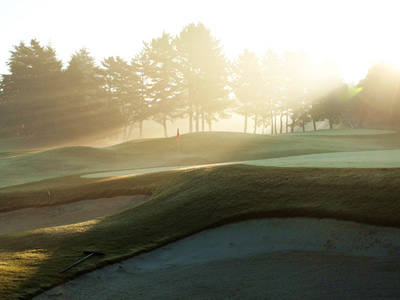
393,59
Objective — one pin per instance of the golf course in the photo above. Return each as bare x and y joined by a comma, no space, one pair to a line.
221,215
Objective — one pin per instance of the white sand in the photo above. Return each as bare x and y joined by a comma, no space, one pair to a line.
81,211
289,258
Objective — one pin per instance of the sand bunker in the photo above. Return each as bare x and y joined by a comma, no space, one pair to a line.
81,211
271,258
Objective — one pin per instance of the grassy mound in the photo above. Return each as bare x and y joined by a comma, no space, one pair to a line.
195,148
183,203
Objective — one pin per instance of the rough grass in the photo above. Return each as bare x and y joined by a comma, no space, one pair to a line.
187,201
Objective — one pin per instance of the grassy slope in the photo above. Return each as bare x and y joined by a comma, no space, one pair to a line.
187,201
199,148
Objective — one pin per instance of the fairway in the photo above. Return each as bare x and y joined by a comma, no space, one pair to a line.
81,198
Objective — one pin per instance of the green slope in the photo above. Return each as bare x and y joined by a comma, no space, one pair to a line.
196,148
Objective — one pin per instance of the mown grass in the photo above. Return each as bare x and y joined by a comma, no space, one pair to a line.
196,148
183,202
14,153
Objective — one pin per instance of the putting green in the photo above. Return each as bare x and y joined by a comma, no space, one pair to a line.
340,132
362,159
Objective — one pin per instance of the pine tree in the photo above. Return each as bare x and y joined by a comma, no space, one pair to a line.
32,89
204,71
248,87
164,90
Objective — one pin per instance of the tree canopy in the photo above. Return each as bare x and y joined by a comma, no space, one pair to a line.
185,77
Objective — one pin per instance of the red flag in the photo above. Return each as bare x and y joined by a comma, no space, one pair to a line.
177,134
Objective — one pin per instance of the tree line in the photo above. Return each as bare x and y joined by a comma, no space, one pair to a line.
185,77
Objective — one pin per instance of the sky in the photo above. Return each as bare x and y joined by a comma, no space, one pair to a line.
355,34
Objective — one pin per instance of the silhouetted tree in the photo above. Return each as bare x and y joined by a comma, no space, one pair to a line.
164,88
273,90
204,74
381,95
354,110
297,71
331,105
141,68
123,88
32,90
86,108
83,79
327,94
248,89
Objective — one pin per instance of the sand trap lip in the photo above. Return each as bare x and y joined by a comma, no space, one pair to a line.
255,237
65,214
285,251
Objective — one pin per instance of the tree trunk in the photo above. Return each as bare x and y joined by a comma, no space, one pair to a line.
245,117
272,122
275,124
292,126
190,118
190,102
330,124
314,124
287,122
140,129
202,120
255,123
130,132
281,123
352,123
165,126
197,118
124,134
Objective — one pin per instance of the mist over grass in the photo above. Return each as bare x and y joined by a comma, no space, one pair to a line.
195,149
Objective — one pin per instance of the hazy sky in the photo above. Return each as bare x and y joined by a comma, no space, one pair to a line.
354,33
